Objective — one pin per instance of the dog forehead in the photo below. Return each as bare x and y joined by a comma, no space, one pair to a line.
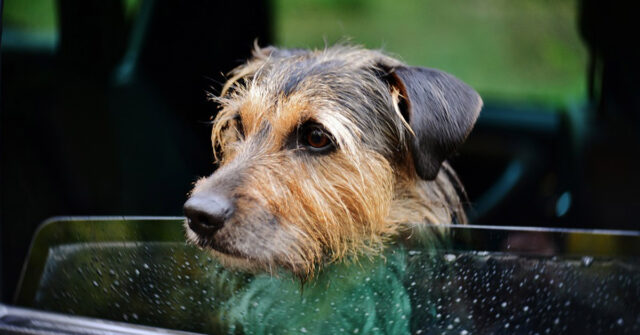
342,90
322,77
285,107
261,108
302,86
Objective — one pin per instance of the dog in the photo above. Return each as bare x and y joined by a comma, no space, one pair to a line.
328,155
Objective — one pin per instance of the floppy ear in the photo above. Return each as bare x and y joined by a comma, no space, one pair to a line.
440,109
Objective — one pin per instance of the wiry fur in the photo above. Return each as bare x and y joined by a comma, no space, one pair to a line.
298,210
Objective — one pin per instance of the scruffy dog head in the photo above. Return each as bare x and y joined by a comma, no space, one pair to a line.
328,153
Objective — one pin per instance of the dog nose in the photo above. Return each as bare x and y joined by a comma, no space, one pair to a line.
206,213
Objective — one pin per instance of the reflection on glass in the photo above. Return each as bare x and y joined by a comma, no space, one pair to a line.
468,280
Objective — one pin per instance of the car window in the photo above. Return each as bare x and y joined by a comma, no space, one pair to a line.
460,280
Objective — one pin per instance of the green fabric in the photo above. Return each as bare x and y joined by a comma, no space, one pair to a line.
364,297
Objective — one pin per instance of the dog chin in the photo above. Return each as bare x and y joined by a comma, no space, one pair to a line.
230,260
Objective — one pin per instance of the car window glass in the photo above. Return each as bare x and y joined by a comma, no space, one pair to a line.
467,280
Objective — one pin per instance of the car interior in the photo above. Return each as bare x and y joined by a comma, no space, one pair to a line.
103,112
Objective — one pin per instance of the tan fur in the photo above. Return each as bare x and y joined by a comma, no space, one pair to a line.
332,207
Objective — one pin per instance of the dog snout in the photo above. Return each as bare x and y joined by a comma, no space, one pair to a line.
206,213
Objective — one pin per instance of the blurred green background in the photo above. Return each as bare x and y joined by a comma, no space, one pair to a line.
513,50
508,50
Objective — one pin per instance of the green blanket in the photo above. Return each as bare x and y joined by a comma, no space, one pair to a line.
364,297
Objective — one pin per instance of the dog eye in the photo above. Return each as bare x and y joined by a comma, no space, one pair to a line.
316,138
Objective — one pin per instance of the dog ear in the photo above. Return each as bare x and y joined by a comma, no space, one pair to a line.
440,109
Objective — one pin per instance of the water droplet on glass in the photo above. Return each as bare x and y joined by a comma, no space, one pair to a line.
303,330
137,272
587,260
620,322
449,257
525,308
183,308
504,304
95,283
145,265
464,332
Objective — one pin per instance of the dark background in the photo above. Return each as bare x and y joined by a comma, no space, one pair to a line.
114,121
